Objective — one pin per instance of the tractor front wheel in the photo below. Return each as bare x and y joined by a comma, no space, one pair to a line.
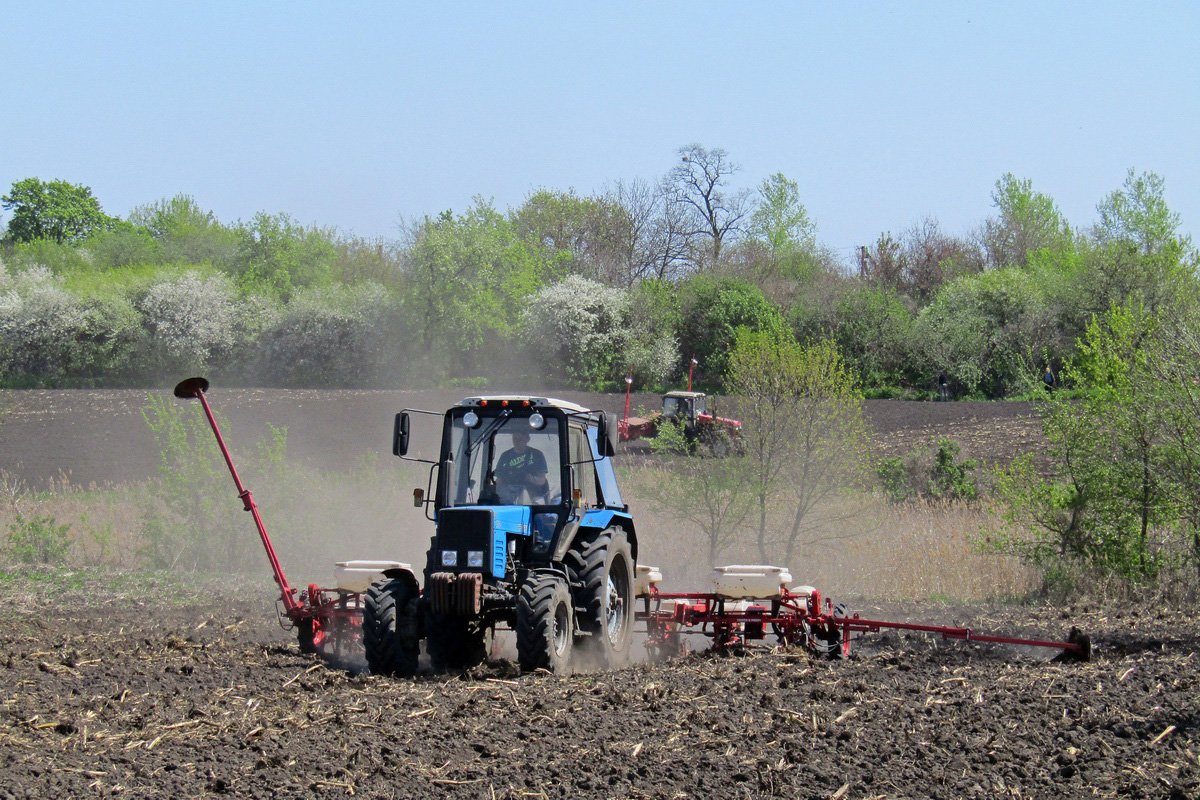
601,563
391,635
545,624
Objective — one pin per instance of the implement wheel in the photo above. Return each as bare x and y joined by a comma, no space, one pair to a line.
601,562
306,633
391,635
545,624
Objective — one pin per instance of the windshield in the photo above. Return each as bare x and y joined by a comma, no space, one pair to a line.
503,460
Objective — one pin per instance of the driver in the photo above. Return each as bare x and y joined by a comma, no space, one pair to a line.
521,467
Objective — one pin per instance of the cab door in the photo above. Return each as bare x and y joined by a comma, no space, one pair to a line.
583,469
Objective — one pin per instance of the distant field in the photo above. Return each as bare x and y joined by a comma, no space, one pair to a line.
98,436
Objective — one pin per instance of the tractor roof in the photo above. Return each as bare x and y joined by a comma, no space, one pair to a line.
518,399
685,394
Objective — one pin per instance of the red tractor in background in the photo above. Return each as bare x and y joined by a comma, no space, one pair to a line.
689,410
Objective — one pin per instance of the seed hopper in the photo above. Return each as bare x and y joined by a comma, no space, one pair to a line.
747,604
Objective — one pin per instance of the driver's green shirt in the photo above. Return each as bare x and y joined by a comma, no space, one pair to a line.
513,467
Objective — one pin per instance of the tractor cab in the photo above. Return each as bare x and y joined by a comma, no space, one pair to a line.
525,451
684,406
524,471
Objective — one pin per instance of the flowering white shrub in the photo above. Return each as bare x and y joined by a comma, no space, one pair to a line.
189,322
40,324
586,332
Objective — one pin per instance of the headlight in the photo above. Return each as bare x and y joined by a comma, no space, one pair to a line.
474,558
536,421
449,558
470,419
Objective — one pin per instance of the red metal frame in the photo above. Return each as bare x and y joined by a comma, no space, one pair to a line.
804,620
332,616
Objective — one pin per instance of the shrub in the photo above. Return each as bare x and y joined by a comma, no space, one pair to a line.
586,333
49,337
190,322
40,540
937,474
330,336
188,521
46,253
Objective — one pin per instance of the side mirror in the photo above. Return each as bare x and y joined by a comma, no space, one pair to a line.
605,437
400,435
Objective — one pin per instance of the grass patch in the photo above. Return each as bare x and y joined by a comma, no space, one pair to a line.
30,587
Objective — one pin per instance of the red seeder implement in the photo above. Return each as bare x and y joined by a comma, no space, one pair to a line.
326,621
750,602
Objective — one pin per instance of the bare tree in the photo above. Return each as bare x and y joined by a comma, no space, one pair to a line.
654,242
698,185
933,257
884,263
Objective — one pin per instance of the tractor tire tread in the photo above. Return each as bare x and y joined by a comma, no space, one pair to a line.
587,561
390,635
536,606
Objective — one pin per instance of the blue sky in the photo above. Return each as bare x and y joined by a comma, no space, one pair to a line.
357,114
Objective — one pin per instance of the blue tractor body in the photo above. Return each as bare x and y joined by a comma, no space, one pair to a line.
530,533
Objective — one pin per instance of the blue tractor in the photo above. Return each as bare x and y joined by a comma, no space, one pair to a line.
531,534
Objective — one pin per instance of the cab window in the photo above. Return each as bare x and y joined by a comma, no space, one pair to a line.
583,471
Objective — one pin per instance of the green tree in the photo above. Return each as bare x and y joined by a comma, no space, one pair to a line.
184,232
874,332
1112,504
591,232
1028,221
712,310
780,222
1135,253
277,255
1138,214
469,278
1177,376
55,210
986,332
804,438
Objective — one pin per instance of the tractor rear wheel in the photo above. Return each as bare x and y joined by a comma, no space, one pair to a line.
456,642
391,634
545,624
601,563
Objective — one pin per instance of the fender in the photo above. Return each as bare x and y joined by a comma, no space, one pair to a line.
406,575
602,518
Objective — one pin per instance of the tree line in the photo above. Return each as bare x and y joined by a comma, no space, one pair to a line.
576,290
572,290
